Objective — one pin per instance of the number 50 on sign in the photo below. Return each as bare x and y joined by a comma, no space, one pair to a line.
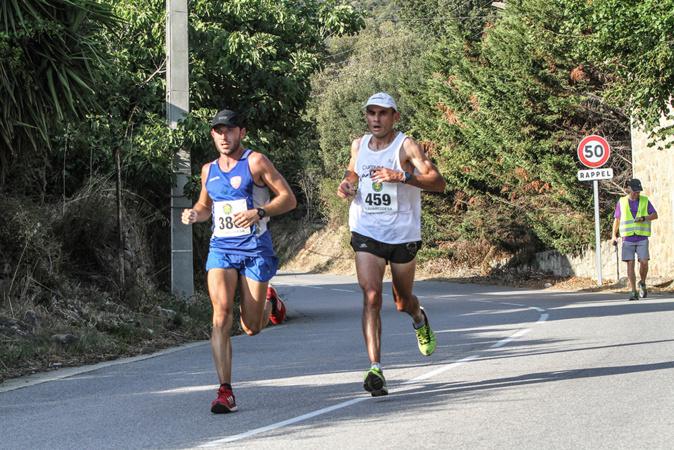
593,151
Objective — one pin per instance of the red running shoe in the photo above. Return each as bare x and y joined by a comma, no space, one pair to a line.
278,308
225,403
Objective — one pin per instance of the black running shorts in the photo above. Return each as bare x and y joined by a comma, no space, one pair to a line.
395,253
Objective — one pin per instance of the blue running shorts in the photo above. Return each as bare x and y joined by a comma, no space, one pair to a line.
258,268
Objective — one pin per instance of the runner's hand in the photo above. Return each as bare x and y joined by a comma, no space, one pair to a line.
614,241
189,216
247,218
346,189
383,174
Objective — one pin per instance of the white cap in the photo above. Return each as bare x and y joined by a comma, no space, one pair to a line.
381,99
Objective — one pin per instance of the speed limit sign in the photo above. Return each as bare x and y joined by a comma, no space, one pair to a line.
593,151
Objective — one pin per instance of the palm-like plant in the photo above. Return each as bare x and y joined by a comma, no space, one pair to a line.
50,59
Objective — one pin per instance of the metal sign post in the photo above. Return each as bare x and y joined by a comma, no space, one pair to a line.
597,236
593,152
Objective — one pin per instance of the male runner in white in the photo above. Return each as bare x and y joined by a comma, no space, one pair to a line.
385,176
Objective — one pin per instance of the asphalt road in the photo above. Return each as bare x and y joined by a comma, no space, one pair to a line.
513,369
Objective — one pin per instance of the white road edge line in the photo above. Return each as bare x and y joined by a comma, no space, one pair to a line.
67,372
405,386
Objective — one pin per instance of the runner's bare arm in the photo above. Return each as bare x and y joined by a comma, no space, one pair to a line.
427,176
264,172
413,157
347,187
201,211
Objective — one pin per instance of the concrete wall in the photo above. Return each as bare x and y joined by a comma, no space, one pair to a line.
655,168
583,265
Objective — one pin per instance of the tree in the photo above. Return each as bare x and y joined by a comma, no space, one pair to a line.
630,43
48,50
266,52
360,69
254,55
468,17
246,54
506,113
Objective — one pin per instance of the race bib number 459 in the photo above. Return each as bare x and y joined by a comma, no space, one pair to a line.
223,218
379,197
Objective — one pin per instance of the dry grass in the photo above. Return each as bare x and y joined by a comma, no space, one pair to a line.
59,275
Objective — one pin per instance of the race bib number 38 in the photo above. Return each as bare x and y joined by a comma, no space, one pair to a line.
223,218
379,197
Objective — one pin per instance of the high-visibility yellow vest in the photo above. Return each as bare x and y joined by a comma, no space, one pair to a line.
628,227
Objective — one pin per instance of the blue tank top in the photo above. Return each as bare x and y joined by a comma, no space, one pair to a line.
231,192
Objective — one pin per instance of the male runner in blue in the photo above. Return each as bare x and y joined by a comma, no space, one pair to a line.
235,194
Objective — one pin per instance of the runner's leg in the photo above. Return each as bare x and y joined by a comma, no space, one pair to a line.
406,301
255,308
370,270
221,288
403,280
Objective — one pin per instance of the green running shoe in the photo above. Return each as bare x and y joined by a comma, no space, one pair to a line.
425,337
375,383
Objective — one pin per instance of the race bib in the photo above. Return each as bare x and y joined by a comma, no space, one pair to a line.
223,218
378,197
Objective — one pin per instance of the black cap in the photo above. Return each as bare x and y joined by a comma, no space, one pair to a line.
228,118
635,185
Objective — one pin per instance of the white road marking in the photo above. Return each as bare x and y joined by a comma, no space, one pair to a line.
439,370
512,337
274,426
404,386
513,293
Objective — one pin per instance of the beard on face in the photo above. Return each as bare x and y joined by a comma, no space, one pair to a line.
229,149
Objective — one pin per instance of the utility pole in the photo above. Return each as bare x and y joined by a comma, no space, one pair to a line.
177,106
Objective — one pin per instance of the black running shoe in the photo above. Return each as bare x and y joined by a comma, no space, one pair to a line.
375,383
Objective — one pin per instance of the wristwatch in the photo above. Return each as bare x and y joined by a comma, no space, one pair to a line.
261,213
407,177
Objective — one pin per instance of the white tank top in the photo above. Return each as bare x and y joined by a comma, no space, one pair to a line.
386,212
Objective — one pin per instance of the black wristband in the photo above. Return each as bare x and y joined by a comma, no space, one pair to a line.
261,213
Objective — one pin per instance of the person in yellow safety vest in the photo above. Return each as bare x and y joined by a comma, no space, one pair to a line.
633,216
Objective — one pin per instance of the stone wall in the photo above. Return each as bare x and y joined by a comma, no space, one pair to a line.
583,265
655,168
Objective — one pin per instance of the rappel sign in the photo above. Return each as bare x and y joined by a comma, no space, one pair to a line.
593,152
